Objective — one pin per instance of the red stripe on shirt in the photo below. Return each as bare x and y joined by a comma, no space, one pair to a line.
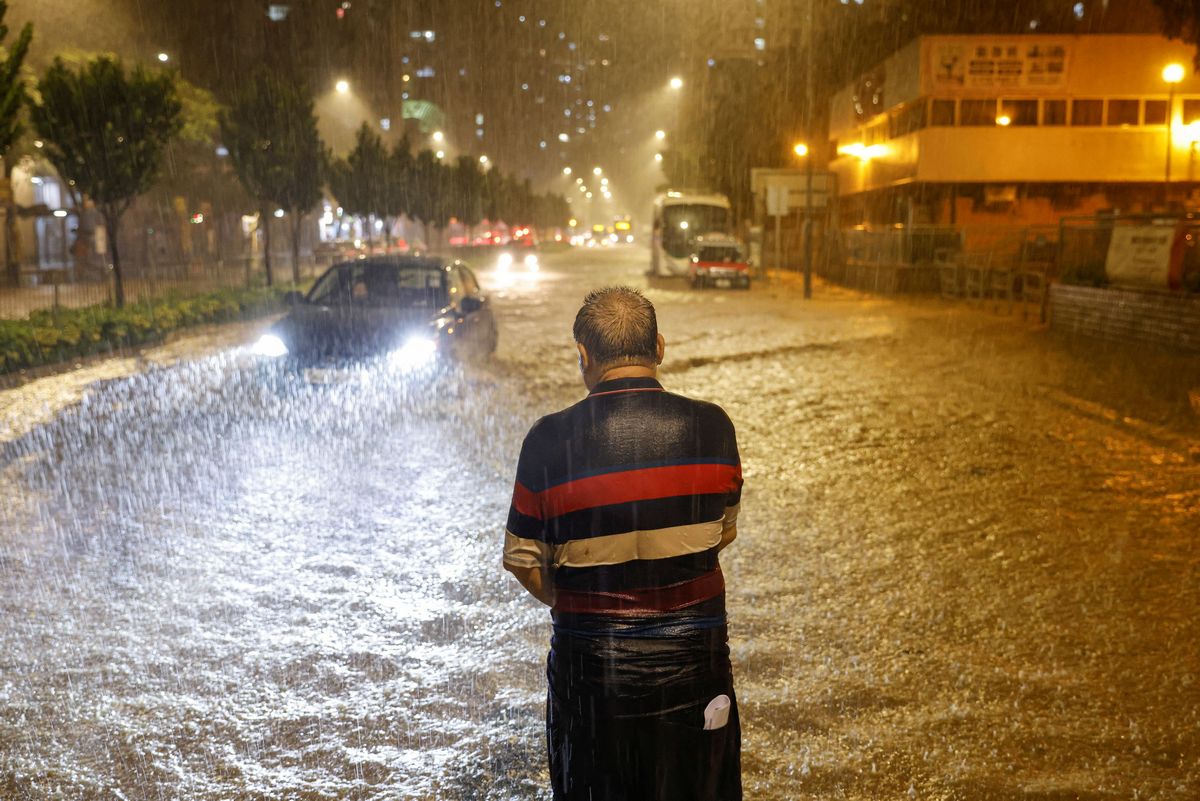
526,501
627,486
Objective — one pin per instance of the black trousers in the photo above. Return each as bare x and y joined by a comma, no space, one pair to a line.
625,720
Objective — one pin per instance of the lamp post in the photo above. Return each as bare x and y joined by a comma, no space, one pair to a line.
1172,74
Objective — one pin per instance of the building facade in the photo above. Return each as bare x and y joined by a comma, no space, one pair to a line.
1020,129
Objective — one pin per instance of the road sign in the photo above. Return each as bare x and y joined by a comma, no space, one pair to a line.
777,200
795,184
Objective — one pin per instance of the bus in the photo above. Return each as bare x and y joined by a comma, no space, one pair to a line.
680,217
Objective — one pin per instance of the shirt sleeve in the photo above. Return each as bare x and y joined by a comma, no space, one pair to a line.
733,498
525,532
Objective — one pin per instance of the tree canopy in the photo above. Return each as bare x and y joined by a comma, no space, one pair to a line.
106,131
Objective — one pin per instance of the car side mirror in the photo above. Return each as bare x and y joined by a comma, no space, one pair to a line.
293,298
470,304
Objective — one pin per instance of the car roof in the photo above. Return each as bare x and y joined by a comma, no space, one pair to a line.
399,262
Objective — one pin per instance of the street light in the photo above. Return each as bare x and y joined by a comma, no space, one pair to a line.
677,83
660,135
163,57
483,159
800,149
342,87
658,156
596,171
566,170
1172,74
438,136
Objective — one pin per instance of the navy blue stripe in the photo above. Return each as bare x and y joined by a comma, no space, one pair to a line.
618,518
620,468
668,627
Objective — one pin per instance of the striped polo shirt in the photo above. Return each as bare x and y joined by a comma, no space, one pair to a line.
624,497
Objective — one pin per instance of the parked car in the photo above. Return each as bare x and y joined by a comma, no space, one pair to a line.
410,310
718,261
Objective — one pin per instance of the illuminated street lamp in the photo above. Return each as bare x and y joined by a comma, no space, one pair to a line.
658,156
677,83
566,170
1004,120
800,149
660,135
1172,73
441,154
163,57
342,87
596,171
483,159
438,136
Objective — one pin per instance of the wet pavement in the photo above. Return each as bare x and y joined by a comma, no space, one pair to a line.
968,564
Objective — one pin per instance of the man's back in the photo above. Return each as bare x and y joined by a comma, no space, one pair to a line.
621,505
627,494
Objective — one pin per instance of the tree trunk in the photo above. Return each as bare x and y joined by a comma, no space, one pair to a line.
297,221
265,221
12,264
112,221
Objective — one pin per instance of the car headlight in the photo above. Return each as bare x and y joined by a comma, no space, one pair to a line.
270,346
504,262
531,262
417,351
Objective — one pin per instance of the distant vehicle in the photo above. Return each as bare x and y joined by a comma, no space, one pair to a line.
517,257
679,218
623,228
410,310
719,261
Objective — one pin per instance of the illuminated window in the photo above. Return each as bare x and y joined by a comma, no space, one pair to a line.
277,12
1020,112
941,113
1155,112
1087,112
1122,112
977,112
1054,112
1191,110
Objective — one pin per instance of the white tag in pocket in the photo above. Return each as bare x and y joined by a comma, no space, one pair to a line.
716,714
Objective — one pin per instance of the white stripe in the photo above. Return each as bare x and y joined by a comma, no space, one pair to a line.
661,543
520,552
731,516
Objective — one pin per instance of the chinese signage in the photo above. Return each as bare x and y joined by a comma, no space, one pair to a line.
998,64
1145,255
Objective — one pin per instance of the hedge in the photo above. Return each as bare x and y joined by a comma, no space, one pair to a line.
47,337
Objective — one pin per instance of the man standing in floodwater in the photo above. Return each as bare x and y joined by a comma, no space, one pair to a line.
621,505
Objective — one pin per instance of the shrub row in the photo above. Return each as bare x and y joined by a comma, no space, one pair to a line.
47,337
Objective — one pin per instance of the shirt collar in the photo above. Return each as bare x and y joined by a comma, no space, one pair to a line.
626,385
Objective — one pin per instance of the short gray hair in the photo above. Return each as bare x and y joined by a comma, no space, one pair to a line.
617,325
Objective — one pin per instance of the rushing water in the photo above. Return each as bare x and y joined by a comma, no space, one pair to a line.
966,569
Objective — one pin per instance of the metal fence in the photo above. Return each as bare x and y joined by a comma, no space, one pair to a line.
49,289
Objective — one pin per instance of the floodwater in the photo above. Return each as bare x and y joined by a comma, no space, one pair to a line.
968,562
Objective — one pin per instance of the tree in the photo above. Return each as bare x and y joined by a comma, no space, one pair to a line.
361,181
270,131
106,131
13,97
428,185
397,197
1181,20
466,193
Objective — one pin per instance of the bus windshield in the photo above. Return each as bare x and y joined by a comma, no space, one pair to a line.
684,222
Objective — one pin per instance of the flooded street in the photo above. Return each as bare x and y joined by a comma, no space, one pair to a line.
968,564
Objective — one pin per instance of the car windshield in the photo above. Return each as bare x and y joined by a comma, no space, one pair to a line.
718,253
381,285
